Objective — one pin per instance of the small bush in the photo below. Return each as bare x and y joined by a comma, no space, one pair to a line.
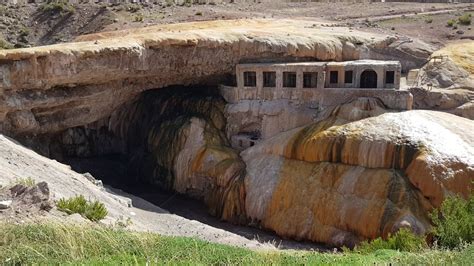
451,22
28,182
93,211
465,19
57,6
403,240
24,31
454,222
138,18
428,20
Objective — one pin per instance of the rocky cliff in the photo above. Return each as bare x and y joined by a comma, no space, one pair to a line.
52,88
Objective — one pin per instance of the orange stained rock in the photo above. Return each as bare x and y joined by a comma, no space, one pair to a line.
339,204
339,182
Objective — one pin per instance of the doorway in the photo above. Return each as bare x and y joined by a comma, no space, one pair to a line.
368,79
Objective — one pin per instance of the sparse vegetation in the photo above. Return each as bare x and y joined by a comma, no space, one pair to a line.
454,222
169,2
24,31
57,6
451,22
138,18
465,19
93,211
5,44
41,244
28,181
3,10
403,240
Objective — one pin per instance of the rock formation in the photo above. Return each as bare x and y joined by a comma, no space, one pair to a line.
342,182
52,88
450,67
446,82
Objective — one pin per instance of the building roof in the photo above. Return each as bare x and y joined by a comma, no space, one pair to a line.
321,64
364,62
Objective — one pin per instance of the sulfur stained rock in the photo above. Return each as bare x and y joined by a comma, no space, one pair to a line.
340,182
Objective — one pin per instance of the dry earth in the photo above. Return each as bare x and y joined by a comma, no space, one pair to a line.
28,25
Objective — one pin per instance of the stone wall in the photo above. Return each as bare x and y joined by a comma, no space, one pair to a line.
322,97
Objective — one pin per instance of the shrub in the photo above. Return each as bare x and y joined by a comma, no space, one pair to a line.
465,19
454,222
403,240
93,211
24,31
57,6
451,22
138,18
428,20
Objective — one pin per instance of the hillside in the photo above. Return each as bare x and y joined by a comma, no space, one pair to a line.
40,24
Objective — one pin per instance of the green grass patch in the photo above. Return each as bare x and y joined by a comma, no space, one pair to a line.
403,240
41,244
93,211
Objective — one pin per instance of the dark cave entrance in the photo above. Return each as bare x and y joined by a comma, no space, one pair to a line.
368,79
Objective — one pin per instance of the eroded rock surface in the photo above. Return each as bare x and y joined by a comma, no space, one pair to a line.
52,88
340,182
446,82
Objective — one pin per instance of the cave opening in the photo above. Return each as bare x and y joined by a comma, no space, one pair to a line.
121,149
166,147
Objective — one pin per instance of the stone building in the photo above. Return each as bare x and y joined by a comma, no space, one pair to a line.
267,81
305,88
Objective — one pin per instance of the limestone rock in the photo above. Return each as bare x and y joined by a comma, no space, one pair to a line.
342,182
